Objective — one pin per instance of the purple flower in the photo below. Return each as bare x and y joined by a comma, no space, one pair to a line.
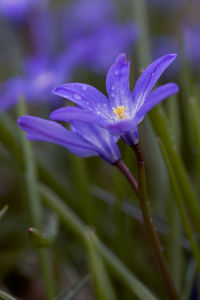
122,111
84,139
40,75
94,25
106,42
19,10
192,44
83,17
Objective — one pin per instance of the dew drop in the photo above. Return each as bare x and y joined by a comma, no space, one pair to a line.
112,95
113,87
116,73
84,87
77,97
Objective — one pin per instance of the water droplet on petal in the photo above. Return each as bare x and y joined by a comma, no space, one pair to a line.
116,73
84,87
77,97
112,95
113,87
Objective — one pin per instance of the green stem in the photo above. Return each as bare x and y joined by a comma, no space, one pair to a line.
148,221
34,203
71,221
123,168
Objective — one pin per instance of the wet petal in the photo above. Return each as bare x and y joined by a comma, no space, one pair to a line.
85,96
155,97
149,78
117,83
103,142
71,113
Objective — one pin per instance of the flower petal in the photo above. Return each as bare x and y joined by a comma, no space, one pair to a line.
117,83
158,95
149,78
71,113
104,143
121,127
44,130
85,96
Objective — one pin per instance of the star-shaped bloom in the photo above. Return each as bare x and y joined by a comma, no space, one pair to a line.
123,110
84,139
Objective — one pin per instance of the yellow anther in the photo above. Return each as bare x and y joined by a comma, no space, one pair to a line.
120,112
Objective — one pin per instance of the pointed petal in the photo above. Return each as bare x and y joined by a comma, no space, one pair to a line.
155,97
85,96
44,130
149,78
71,113
117,83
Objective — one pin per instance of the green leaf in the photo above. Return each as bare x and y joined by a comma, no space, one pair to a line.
45,239
71,221
190,199
102,285
33,199
72,292
6,296
177,193
189,279
3,211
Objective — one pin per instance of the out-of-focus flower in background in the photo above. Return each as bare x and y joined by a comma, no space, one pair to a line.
19,10
95,24
93,38
192,44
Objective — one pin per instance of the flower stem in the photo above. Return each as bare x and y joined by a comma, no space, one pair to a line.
123,168
144,203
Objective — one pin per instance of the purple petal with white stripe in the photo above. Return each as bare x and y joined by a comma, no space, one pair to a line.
85,96
104,143
117,83
71,113
149,78
156,97
48,131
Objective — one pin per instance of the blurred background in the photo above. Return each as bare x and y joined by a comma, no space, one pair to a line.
43,44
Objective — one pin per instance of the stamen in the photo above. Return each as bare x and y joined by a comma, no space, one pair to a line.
120,112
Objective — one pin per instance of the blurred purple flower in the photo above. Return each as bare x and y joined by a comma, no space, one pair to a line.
192,44
40,76
104,45
83,17
123,110
84,139
94,24
19,10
